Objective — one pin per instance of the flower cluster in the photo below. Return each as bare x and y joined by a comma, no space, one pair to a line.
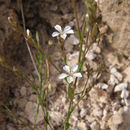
70,74
62,33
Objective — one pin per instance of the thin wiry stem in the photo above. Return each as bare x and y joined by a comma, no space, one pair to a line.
28,47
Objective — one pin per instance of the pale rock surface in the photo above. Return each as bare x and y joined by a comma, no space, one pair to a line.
71,40
127,74
96,48
30,110
115,120
95,126
23,91
82,125
56,117
90,55
97,112
83,112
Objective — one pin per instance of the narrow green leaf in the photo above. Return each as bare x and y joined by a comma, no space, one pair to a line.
67,125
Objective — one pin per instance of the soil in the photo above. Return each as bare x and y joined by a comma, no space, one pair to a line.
42,16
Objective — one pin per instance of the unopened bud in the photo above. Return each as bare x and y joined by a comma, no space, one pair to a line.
28,32
87,15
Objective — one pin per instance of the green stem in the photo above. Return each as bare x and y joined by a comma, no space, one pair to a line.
61,47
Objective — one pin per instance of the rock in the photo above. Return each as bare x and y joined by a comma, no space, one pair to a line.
95,126
97,112
112,59
113,70
93,65
16,92
23,91
89,118
22,102
117,18
56,117
126,121
102,85
74,128
74,54
90,55
56,56
72,40
103,125
73,59
127,74
82,125
10,127
96,48
115,121
33,98
30,110
98,95
83,112
103,29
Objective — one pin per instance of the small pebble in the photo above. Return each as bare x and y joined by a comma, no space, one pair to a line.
83,112
23,91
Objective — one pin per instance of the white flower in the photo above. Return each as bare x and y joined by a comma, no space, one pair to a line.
124,94
113,80
120,87
62,33
116,73
70,74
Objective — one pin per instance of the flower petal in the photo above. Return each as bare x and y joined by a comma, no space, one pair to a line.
69,32
113,80
120,87
70,79
55,34
67,28
66,68
126,102
63,36
78,75
124,94
74,68
62,76
58,28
